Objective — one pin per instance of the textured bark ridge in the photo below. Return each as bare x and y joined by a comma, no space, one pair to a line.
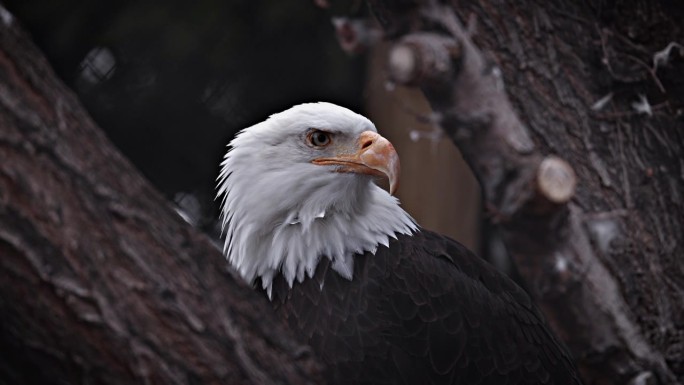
571,119
100,281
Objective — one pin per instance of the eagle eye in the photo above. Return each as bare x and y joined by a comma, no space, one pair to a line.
318,138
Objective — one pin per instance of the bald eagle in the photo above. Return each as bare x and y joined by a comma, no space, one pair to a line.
380,299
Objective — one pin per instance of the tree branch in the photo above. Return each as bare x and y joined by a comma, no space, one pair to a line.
529,193
101,281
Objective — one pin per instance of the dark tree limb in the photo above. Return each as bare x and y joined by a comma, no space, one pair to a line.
101,281
565,252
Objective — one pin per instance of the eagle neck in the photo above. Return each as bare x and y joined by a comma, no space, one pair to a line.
293,241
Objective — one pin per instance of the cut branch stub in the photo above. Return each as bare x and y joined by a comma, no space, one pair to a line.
556,180
422,59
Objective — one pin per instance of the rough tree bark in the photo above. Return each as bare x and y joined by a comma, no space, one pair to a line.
100,280
542,97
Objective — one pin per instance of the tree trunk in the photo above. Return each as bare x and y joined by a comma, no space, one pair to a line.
570,116
100,280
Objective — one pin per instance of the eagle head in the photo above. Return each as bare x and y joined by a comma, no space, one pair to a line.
298,187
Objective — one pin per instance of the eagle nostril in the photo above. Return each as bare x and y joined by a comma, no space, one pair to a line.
366,144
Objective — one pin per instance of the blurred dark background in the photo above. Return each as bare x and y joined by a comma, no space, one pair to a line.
171,82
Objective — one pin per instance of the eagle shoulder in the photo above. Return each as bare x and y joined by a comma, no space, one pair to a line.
424,310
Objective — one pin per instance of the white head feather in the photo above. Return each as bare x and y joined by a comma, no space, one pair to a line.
281,213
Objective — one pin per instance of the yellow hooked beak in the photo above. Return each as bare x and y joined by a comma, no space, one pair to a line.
375,155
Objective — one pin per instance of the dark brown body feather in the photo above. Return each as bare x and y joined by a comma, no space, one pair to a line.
424,310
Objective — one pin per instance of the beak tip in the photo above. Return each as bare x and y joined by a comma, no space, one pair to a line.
393,187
